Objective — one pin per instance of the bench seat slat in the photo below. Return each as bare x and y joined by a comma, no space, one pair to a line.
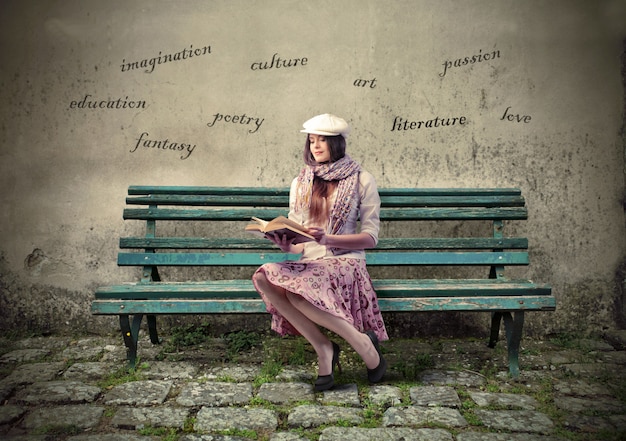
385,288
398,214
452,201
376,258
197,306
202,259
410,243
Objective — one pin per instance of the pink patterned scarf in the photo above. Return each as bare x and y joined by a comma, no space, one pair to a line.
346,171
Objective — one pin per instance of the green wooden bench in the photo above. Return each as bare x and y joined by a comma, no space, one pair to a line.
203,227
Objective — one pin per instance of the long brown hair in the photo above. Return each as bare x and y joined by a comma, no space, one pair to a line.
320,209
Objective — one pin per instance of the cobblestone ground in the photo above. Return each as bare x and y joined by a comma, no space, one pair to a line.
220,389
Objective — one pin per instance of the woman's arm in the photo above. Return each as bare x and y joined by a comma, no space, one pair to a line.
358,241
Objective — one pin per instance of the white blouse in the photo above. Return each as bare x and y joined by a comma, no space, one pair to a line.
368,207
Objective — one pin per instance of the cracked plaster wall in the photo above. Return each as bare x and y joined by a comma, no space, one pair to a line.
543,105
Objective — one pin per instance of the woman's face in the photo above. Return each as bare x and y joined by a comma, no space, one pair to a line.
319,148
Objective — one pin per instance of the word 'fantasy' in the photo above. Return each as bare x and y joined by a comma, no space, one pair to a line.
164,144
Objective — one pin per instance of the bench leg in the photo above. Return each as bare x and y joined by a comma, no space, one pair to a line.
513,324
496,319
130,333
152,327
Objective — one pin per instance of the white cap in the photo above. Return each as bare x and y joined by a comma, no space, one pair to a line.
327,125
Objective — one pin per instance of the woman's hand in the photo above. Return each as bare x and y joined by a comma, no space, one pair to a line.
281,241
319,234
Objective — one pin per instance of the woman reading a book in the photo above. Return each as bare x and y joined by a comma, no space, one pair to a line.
329,285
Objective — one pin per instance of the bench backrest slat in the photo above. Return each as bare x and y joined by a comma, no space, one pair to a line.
276,191
379,258
409,243
238,214
283,201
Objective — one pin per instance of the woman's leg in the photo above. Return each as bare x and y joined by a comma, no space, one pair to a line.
280,299
358,340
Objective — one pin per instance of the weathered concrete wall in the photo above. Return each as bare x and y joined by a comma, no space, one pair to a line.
87,91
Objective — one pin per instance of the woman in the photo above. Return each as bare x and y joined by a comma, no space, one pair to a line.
329,286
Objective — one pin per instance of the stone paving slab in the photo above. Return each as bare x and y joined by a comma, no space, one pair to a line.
284,393
233,373
345,394
194,437
415,416
6,389
80,353
133,418
482,436
512,401
24,355
110,437
581,388
298,375
88,371
308,416
587,404
35,372
396,434
215,394
597,370
81,416
435,396
168,370
139,393
516,420
10,413
48,392
383,394
225,418
464,378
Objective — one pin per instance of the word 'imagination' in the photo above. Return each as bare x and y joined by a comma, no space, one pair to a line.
119,103
237,119
478,58
164,144
400,124
278,62
148,64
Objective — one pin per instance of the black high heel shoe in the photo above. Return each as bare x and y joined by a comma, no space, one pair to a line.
325,382
376,375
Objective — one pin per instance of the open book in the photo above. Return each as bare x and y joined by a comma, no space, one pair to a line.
280,225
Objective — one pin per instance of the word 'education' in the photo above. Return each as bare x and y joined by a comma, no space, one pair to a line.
119,103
